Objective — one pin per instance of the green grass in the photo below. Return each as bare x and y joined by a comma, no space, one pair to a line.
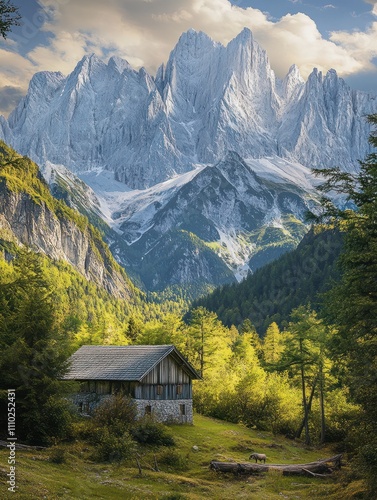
80,478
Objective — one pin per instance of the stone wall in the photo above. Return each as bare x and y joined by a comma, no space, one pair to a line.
88,401
179,410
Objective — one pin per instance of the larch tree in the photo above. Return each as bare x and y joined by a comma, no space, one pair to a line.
273,345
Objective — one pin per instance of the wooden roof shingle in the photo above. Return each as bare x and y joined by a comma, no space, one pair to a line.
123,363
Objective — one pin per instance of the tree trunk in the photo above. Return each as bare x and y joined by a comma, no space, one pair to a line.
322,404
322,467
301,428
304,402
202,349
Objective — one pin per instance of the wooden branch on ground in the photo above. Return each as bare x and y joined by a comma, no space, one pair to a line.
20,446
320,468
139,467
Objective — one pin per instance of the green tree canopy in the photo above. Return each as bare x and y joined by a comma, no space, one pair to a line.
352,305
33,352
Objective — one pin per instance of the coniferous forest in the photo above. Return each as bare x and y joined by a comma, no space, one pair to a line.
291,350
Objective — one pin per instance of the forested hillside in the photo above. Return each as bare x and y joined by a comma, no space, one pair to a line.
272,292
31,216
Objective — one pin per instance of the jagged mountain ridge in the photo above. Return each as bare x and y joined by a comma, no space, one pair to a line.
208,99
192,214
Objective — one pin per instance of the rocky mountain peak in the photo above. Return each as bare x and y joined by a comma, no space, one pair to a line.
208,99
118,64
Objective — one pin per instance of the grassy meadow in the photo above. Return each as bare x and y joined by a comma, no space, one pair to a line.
183,471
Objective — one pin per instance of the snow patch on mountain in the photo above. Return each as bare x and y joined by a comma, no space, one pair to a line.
283,171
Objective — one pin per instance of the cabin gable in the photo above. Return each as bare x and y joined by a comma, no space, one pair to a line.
166,381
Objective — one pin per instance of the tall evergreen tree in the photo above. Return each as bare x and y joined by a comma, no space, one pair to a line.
352,305
33,353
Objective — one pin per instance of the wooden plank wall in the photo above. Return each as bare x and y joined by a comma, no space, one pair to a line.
166,381
167,372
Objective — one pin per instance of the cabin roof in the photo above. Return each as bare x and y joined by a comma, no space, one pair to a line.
123,363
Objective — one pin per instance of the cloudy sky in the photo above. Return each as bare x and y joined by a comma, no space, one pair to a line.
56,34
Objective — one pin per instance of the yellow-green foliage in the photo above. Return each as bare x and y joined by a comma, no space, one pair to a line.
87,313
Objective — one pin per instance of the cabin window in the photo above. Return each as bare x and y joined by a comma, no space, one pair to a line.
148,410
179,389
84,408
182,410
160,389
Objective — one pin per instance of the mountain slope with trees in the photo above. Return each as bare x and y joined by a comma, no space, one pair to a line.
273,291
31,216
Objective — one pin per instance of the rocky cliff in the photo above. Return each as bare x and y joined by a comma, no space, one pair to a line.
30,215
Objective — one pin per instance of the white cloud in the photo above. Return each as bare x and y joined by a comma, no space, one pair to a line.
144,32
362,46
12,66
374,6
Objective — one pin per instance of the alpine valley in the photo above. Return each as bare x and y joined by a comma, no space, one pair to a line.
198,174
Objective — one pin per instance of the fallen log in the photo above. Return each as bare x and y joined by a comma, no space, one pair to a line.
322,467
20,446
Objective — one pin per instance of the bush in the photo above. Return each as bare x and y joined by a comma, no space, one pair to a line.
83,430
112,448
57,456
366,464
47,424
174,460
147,431
116,413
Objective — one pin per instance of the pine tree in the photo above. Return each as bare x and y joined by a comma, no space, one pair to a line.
34,354
352,305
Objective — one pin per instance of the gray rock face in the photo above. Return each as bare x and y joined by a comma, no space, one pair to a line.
206,231
207,100
35,225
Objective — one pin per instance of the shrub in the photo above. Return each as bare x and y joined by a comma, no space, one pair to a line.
116,413
147,431
113,448
84,429
57,456
173,459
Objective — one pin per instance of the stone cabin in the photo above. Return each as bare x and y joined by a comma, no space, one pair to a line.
157,377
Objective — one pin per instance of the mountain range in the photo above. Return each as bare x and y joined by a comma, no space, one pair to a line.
201,172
